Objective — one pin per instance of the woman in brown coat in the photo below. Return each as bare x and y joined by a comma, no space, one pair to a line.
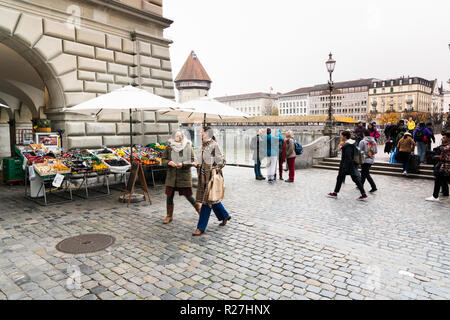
210,157
406,146
178,157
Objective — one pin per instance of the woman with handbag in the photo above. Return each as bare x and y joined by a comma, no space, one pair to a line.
210,189
442,169
178,158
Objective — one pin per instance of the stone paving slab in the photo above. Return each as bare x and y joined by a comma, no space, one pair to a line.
285,241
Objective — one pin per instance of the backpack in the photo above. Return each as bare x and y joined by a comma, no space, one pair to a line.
419,136
358,156
298,148
371,149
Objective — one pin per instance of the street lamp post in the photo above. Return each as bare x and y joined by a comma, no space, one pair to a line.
331,63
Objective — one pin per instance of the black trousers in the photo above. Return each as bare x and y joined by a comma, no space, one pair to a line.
365,174
356,177
440,181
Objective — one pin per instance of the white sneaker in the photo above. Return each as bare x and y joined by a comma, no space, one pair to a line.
405,173
432,199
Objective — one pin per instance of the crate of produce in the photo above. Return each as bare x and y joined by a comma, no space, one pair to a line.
13,169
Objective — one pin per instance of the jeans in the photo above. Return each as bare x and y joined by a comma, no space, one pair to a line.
257,168
219,210
365,174
291,166
421,150
356,177
440,181
280,167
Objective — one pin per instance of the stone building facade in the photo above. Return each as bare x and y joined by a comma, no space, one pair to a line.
349,98
294,103
403,94
254,104
76,50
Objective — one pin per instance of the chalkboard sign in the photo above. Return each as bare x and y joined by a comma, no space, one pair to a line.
136,171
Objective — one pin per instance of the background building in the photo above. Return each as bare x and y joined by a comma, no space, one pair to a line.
446,103
192,81
56,54
254,104
402,94
349,98
294,103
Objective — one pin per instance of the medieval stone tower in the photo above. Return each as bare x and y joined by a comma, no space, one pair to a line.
192,82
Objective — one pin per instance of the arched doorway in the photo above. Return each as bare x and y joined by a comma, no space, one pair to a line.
24,79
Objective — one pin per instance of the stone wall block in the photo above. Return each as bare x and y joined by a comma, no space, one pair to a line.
70,82
117,117
150,62
161,74
132,72
163,138
48,47
123,80
74,128
165,118
145,72
112,87
166,65
59,30
74,98
156,127
160,52
117,69
173,127
96,87
96,128
124,58
9,20
116,141
91,65
169,93
102,77
124,128
63,63
145,48
91,37
152,82
150,139
136,116
127,46
86,75
168,84
113,42
84,142
29,29
78,49
149,89
104,54
147,6
149,116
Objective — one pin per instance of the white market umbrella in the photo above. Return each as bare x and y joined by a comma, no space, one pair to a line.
206,107
127,98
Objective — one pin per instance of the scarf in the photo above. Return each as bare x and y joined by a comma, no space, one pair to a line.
178,146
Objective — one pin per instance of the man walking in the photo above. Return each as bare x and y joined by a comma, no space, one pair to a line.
368,147
289,154
258,153
348,167
421,136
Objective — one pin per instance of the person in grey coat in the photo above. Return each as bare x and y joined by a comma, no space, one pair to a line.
256,145
368,147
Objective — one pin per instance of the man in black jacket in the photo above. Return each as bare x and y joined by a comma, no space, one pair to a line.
359,132
348,167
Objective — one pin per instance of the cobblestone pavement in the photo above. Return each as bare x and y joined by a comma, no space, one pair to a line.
285,241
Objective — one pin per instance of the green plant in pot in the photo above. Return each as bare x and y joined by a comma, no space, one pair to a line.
43,125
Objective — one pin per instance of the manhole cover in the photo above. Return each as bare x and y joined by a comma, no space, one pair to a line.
85,243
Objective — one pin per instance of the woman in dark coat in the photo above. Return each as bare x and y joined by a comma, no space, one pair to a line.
178,157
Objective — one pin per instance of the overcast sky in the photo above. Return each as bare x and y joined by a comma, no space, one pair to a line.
252,45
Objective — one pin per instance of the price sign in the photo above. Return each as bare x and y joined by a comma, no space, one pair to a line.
59,178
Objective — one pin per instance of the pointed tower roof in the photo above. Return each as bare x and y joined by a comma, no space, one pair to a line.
192,70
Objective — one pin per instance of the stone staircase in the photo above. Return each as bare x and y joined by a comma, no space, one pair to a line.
383,168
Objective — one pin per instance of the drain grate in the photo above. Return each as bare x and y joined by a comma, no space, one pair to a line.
85,243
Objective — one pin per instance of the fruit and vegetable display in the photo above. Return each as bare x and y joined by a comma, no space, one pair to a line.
150,155
83,161
114,162
50,168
